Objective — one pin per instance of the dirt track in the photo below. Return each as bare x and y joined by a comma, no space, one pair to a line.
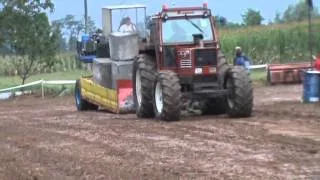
49,139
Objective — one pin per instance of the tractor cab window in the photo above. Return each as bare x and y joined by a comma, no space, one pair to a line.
181,30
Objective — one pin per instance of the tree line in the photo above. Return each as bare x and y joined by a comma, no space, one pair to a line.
26,32
71,29
294,13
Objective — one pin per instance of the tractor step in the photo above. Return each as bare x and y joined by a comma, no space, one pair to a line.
201,86
206,93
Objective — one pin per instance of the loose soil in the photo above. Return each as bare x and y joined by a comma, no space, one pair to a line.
49,139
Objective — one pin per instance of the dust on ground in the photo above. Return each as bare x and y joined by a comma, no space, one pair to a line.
49,139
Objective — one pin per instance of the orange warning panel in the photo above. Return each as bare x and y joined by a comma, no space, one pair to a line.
125,96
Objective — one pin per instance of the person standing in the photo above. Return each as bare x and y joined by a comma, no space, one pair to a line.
241,59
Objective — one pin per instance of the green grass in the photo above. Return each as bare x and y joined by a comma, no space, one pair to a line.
10,81
258,75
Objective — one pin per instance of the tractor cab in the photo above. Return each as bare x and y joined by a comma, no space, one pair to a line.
188,41
97,44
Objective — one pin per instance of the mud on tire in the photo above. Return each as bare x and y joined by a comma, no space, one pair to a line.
240,99
144,68
167,90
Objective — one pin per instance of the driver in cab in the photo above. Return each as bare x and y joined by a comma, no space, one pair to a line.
178,32
127,26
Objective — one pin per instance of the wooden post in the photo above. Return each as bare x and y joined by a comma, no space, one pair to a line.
86,16
42,89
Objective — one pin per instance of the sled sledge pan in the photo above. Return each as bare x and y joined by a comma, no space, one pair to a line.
290,73
117,100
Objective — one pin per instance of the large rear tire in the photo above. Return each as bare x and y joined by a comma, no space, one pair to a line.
240,97
82,105
143,78
167,96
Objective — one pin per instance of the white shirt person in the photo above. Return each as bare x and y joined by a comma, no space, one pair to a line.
128,26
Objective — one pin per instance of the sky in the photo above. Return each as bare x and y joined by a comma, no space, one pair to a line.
231,9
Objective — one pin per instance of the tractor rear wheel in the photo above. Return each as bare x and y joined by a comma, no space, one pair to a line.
143,77
240,93
167,96
82,104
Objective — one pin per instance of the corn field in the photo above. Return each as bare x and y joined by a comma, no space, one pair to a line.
274,43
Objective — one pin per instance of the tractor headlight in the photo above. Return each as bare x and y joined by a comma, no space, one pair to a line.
198,70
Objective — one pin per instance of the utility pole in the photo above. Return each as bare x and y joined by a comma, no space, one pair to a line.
86,26
86,16
310,9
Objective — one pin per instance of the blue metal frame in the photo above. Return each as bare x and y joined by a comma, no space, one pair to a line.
87,59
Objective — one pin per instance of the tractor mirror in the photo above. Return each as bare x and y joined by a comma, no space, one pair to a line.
197,38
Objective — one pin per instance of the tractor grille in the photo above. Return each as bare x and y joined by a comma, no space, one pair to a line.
186,63
206,57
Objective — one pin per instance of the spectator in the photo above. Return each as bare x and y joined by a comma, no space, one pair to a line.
241,59
127,26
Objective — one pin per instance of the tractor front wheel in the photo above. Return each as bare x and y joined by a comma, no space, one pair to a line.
240,93
167,96
143,77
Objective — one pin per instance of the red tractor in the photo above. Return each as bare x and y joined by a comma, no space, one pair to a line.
182,64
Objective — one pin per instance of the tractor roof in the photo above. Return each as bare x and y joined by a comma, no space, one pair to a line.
125,6
185,11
